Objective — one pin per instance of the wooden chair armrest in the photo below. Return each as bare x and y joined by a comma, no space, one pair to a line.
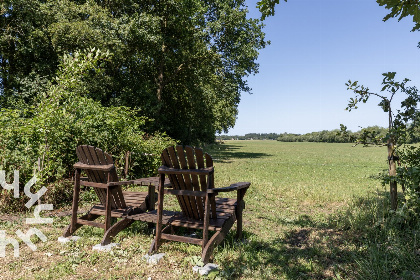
105,185
168,170
121,183
233,187
105,168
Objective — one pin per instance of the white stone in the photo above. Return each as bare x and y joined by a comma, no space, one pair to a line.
204,270
99,247
62,239
153,259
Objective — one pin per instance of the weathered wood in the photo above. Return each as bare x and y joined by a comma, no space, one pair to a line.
90,223
186,193
184,239
192,203
174,171
114,203
159,212
194,179
104,168
232,187
216,239
191,173
114,230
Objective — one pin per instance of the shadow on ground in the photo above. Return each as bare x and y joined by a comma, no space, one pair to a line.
352,244
227,152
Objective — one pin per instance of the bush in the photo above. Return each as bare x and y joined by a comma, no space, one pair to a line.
42,139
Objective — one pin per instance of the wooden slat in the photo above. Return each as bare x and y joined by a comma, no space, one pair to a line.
177,172
95,176
99,157
174,162
209,160
210,185
154,181
193,203
90,154
90,223
186,193
194,180
106,167
184,239
151,216
167,162
83,159
176,158
200,164
93,184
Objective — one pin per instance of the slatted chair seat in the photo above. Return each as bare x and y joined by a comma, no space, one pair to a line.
113,202
225,207
191,174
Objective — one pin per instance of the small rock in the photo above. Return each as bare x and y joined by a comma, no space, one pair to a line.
153,259
204,270
99,247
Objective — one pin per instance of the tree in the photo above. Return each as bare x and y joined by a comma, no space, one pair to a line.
182,63
404,121
398,119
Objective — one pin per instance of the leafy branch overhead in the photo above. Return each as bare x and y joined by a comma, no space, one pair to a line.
401,9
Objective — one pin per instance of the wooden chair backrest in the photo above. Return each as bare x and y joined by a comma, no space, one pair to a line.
95,156
189,158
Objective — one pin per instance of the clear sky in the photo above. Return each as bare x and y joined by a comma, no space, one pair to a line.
316,47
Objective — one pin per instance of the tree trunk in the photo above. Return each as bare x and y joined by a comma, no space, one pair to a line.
392,173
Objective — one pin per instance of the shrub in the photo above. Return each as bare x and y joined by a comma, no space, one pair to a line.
42,139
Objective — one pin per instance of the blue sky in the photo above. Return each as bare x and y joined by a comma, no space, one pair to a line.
316,47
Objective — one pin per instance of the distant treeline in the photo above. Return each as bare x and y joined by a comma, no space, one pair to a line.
326,136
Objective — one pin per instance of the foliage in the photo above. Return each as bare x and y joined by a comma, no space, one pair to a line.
266,7
182,63
402,9
399,8
402,124
42,139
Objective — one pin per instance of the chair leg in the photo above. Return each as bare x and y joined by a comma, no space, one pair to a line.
216,239
208,248
153,246
239,210
115,229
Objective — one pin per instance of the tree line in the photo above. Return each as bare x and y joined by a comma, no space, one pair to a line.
364,136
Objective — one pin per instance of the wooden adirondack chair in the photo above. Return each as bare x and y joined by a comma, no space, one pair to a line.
114,203
191,174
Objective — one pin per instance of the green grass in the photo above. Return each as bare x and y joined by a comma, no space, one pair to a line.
312,212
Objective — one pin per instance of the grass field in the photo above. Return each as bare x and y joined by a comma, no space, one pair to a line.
312,212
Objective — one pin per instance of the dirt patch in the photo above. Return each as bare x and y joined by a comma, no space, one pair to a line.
298,238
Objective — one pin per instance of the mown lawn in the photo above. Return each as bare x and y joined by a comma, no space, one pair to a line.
308,215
